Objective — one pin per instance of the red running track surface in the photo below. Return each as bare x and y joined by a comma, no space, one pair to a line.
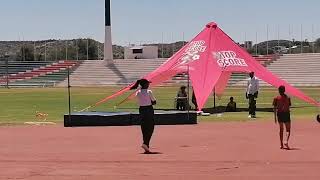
235,150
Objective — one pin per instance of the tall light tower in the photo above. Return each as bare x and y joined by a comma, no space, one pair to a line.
108,55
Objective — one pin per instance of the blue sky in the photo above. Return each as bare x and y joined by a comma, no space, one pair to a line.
145,21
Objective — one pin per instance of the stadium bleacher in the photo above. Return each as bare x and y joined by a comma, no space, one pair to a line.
121,72
265,60
15,67
297,69
35,74
125,71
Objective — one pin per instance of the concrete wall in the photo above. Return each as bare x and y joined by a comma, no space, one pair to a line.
148,52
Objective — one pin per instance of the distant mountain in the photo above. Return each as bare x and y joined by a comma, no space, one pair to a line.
52,49
289,46
168,49
83,49
274,43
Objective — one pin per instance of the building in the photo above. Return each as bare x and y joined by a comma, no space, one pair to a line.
141,52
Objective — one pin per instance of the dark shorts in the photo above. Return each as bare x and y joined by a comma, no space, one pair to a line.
283,117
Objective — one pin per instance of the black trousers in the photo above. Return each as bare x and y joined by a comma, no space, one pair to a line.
147,123
283,117
252,104
181,105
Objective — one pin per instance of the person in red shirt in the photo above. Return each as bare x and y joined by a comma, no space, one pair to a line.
281,106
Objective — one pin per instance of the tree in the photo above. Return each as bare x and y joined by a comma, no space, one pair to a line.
92,46
93,50
317,42
26,53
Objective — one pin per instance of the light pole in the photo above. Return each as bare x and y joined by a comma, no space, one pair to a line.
6,57
313,38
108,40
87,48
66,49
34,50
267,39
56,49
45,50
77,49
301,48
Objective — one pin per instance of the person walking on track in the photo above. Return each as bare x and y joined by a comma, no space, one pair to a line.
146,100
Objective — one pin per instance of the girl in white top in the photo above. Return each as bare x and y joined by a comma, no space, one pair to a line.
145,97
145,100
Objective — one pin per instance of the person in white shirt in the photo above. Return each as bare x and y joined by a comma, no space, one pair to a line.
252,94
146,100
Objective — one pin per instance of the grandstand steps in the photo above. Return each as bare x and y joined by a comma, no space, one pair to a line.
18,67
125,71
36,77
99,73
296,69
121,72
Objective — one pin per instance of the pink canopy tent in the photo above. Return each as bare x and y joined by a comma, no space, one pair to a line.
210,58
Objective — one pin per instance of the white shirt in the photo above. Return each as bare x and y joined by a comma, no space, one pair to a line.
145,97
253,85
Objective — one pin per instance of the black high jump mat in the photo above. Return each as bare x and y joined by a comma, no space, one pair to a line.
127,118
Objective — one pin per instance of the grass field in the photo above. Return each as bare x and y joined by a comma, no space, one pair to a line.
20,105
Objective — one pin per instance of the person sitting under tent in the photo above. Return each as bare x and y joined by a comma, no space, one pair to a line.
182,99
231,106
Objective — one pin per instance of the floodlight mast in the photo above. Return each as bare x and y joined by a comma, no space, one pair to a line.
108,55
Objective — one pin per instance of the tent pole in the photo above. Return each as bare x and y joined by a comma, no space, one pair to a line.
188,95
214,97
7,72
69,96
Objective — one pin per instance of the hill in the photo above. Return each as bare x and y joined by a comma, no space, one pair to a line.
82,49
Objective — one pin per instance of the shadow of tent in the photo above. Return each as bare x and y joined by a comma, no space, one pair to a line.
116,71
221,109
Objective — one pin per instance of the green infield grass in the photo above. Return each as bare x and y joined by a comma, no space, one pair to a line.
21,104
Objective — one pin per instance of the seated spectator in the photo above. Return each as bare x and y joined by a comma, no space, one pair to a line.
232,106
182,99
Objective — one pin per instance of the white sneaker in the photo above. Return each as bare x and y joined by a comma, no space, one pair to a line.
249,116
145,147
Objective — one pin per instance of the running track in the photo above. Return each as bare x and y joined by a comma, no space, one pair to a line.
235,150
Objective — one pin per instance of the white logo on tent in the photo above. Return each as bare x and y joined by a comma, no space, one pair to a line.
228,58
192,52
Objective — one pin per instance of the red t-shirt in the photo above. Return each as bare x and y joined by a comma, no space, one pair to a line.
282,103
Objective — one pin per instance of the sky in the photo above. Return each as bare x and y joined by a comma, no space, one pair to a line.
156,21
